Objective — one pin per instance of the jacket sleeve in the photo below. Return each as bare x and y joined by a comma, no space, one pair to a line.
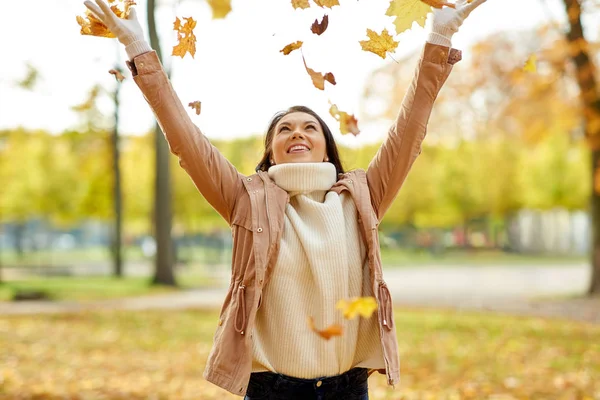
395,157
214,176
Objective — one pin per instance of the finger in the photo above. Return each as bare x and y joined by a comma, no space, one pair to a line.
474,4
94,10
132,14
106,10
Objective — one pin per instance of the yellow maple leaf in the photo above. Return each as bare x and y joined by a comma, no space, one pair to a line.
300,4
348,122
530,64
185,36
407,12
363,306
291,47
90,25
319,78
327,333
327,3
379,43
220,8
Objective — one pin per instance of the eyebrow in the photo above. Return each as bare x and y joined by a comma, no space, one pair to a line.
304,122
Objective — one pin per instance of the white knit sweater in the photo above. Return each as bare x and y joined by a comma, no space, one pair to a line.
322,259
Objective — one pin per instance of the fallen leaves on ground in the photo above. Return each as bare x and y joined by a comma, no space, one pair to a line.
320,27
379,43
185,37
348,122
161,354
327,333
318,78
195,105
291,47
90,25
363,306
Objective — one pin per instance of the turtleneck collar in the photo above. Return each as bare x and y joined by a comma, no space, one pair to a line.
302,178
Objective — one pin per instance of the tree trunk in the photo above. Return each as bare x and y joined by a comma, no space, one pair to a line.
590,99
117,195
163,272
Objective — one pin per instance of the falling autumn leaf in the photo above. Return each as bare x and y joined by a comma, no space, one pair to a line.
220,8
348,122
407,12
380,43
291,47
195,105
118,75
320,27
90,25
319,78
439,3
327,3
327,333
185,36
363,306
300,4
530,64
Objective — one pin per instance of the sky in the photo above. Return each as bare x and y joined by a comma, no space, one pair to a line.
238,73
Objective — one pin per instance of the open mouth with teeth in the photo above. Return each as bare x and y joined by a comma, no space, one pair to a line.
298,148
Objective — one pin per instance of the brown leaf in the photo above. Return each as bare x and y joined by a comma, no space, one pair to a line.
196,106
300,4
291,47
185,36
348,122
327,333
90,25
118,75
318,78
320,27
327,3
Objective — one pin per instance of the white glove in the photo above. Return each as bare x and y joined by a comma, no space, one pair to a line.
128,31
444,22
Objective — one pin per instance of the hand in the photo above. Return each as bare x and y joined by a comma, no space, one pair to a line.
442,23
127,30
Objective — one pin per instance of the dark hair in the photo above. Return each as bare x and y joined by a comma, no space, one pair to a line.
332,150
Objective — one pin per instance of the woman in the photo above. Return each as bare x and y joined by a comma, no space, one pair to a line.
304,231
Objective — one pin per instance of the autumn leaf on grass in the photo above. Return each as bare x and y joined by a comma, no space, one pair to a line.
327,3
90,25
320,27
319,78
196,106
118,75
220,8
379,43
185,36
530,64
327,333
363,306
348,123
300,4
291,47
407,12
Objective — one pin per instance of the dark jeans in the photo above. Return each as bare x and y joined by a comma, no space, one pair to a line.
351,385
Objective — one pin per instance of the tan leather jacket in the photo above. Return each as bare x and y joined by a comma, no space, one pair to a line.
254,207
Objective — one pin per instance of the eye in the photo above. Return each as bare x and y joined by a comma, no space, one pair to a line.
284,128
311,126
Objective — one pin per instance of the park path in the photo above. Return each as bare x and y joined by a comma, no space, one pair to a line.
546,291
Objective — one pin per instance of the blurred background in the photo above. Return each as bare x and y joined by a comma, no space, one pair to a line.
501,209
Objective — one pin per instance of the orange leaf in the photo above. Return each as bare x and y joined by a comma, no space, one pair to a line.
118,75
318,78
327,3
348,122
300,4
90,25
185,36
327,333
439,3
196,106
291,47
320,27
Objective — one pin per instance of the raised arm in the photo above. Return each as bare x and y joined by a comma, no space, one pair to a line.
390,166
214,176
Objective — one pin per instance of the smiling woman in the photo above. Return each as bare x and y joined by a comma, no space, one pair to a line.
304,231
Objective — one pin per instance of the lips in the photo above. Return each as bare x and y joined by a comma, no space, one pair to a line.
298,148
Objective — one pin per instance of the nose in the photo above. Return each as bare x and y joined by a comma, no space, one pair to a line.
298,134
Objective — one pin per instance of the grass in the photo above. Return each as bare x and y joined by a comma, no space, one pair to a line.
161,355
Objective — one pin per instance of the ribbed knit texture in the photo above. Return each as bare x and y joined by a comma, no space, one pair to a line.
322,259
136,48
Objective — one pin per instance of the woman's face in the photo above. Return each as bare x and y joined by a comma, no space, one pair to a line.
298,137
